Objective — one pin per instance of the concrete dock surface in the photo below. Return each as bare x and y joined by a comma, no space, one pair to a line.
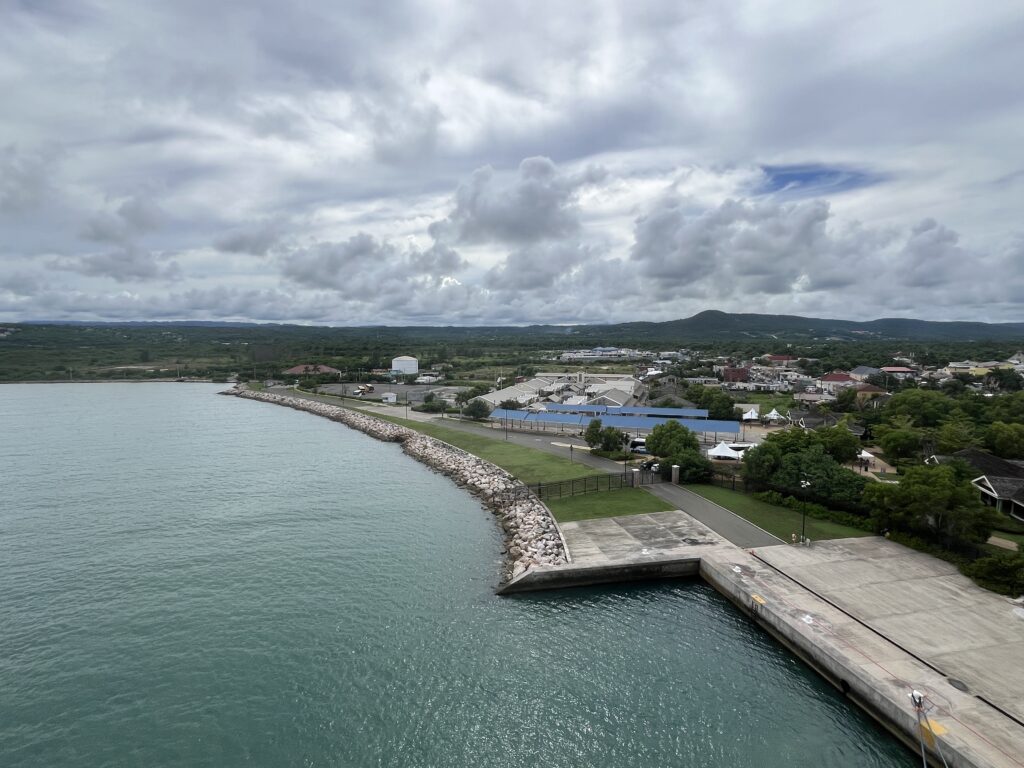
876,619
922,604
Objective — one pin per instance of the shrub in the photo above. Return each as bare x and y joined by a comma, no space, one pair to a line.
1002,573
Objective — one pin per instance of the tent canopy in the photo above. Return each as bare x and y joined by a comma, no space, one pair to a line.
723,451
773,414
750,415
865,455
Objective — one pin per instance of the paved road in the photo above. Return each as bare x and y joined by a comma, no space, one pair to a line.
726,524
723,522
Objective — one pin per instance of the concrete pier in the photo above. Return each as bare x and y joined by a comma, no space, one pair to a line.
874,618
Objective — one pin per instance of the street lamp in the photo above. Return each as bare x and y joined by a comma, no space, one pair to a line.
804,485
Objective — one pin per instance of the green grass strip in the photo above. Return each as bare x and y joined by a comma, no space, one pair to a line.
778,521
527,464
626,501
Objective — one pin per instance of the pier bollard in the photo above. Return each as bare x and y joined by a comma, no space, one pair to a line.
675,474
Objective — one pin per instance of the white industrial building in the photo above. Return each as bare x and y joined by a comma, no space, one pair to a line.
571,389
405,364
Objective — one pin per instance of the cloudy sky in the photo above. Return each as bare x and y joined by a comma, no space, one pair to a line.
445,162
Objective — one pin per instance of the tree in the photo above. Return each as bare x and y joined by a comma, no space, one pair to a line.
846,400
761,463
693,467
839,443
477,410
721,406
1006,440
612,439
924,407
901,443
509,405
671,438
955,435
592,434
933,501
1005,379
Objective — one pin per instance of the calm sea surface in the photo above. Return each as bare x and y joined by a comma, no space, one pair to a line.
192,580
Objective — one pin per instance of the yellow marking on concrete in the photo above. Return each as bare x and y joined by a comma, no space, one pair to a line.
929,734
758,599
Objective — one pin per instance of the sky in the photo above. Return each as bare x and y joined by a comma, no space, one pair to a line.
449,163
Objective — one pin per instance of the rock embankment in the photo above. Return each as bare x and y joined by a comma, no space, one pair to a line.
531,536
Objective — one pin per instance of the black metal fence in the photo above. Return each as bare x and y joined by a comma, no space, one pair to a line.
596,484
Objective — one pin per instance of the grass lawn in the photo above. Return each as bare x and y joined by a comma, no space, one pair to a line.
767,400
527,464
778,521
627,501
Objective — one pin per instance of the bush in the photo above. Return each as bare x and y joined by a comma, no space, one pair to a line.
693,467
477,410
618,455
1009,524
1002,573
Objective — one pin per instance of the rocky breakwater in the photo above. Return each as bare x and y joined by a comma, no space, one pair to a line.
531,536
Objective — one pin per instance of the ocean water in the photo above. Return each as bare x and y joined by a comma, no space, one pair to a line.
193,580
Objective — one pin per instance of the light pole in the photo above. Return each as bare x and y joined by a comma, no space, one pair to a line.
804,485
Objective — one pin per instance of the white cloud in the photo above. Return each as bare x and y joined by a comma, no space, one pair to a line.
510,161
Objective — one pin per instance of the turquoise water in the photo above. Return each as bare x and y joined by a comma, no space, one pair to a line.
192,580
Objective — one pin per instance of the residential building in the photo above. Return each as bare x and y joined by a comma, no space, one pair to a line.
1000,481
863,372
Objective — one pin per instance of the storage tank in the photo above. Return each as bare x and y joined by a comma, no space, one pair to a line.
405,364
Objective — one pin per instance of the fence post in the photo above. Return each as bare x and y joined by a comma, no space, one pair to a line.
675,474
636,478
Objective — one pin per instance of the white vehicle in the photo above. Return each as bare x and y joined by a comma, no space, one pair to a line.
638,445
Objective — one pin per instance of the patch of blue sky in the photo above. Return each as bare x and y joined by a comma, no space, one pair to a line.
814,180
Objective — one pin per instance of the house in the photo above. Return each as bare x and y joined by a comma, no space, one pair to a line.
389,397
1000,481
833,382
862,372
899,371
779,360
866,392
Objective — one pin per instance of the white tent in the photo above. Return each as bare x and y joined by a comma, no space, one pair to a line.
751,415
774,415
865,455
723,451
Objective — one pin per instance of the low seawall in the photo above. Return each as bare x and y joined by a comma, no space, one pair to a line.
531,536
561,577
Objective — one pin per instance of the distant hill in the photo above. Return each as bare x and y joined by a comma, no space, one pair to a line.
710,325
713,325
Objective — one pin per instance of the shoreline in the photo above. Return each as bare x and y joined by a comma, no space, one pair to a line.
114,381
530,535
